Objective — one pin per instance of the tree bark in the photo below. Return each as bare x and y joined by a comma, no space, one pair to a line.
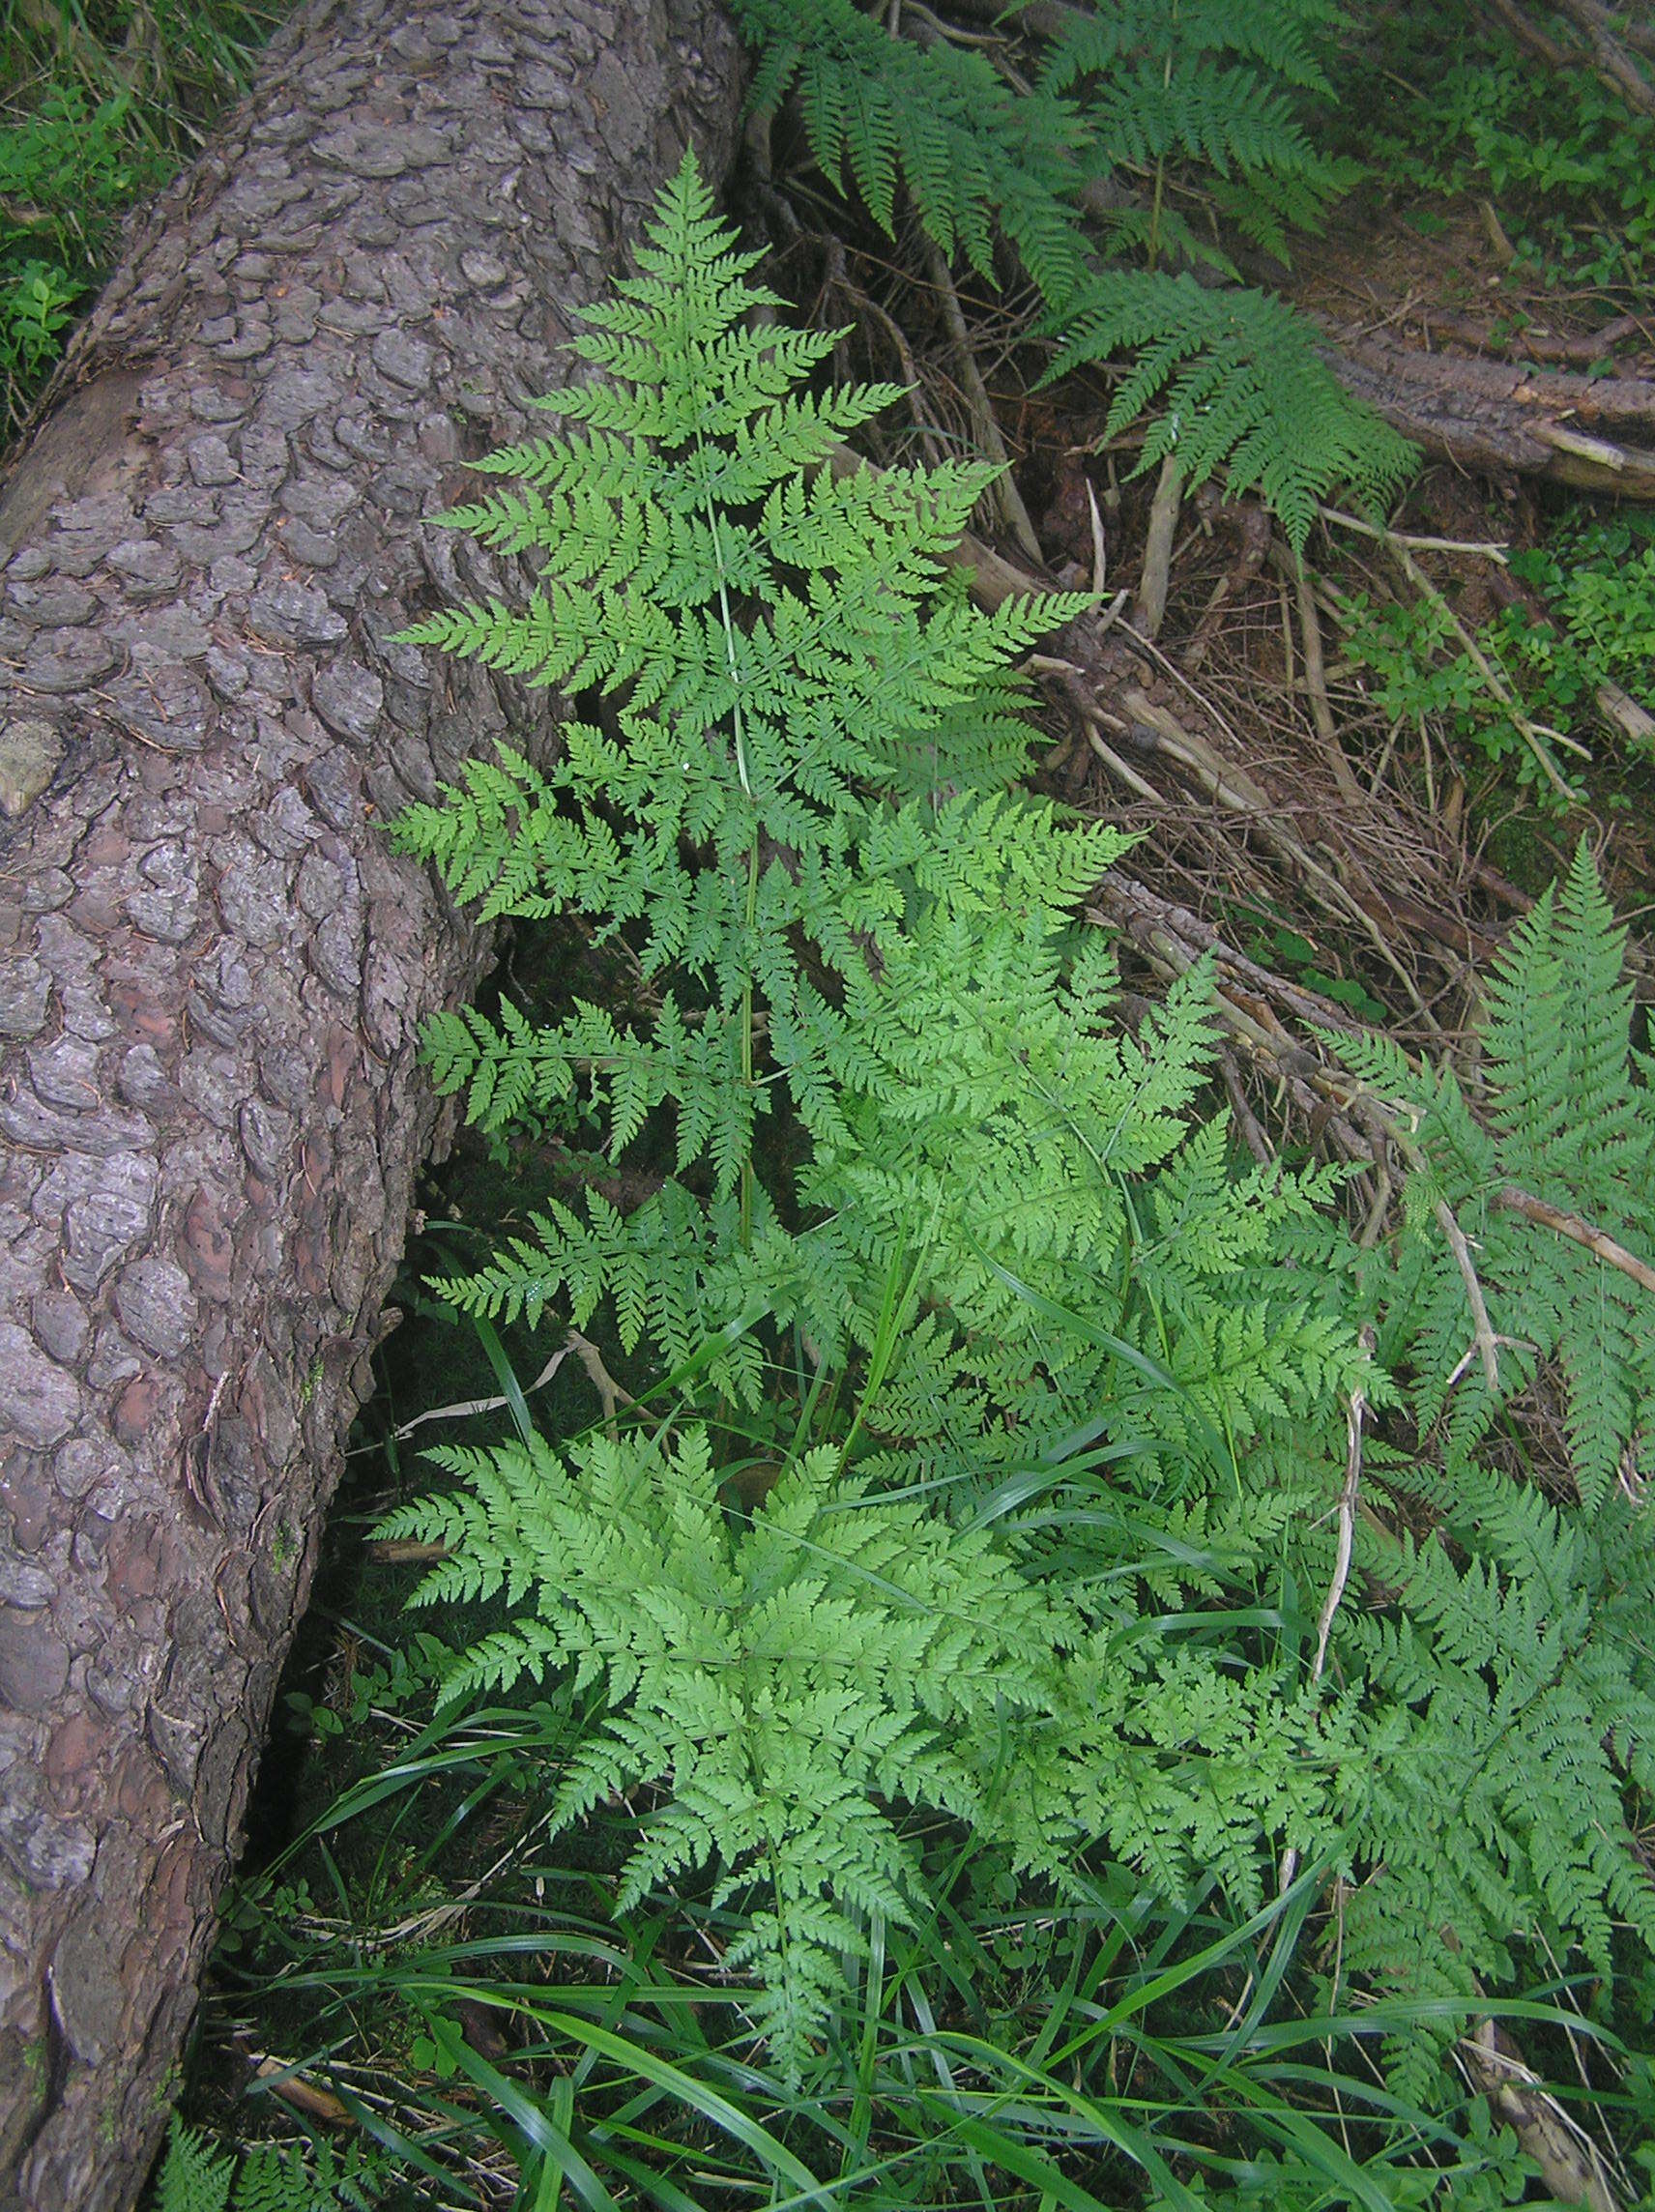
212,970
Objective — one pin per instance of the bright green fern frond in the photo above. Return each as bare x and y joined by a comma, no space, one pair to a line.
971,152
1212,89
1558,1039
796,824
777,1675
1284,40
195,2174
1513,1671
1573,1130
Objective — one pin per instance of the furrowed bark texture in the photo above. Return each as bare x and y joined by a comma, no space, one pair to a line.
213,971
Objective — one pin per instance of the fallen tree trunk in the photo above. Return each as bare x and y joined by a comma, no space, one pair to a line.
1596,434
212,970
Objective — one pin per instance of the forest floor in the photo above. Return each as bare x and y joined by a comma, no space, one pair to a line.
1362,843
1334,776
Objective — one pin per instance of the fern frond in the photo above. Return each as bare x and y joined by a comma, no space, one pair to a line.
195,2174
1242,386
1212,88
974,154
1571,1125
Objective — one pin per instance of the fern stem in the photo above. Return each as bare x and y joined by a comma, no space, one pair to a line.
751,912
1155,244
710,510
1160,167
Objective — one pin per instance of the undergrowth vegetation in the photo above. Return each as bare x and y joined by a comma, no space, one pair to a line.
98,104
983,1647
1569,166
1524,687
1061,1674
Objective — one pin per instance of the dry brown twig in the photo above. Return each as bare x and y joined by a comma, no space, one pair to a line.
1355,1413
1485,1344
1315,685
1607,34
1256,542
609,1391
1511,1199
1237,790
983,422
1570,2167
1155,576
1246,1121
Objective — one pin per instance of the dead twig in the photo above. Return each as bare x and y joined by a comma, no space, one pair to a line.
983,421
1561,348
1254,524
1099,547
1572,2168
1151,605
1123,771
1485,1344
1254,1136
610,1394
1356,1413
609,1391
1511,1199
1489,548
1528,33
282,2078
1315,686
1610,57
1234,789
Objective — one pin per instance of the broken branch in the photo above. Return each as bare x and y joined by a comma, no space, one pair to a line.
1510,1199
